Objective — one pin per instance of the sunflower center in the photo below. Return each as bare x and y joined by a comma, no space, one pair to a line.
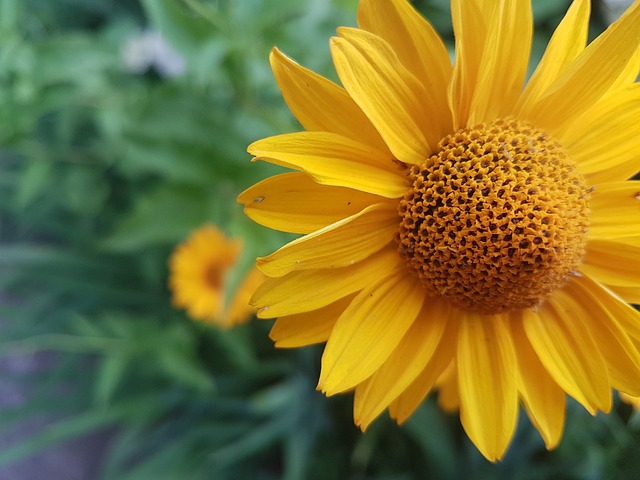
496,220
214,276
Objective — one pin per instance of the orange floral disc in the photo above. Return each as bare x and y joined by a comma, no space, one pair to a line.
496,220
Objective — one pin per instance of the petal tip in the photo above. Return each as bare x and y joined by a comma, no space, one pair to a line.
276,57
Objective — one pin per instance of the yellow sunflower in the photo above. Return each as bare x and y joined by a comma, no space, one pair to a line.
198,278
461,228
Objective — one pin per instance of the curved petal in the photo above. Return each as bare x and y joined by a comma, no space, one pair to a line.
295,203
605,140
613,262
568,40
390,96
629,74
470,29
307,290
505,58
619,354
308,328
626,316
615,210
448,392
413,353
569,354
628,294
340,244
631,400
321,105
543,399
334,160
239,310
487,383
413,395
369,330
589,77
418,47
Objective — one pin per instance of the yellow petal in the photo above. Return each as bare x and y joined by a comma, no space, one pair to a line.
409,400
626,316
569,354
307,290
293,202
487,383
613,262
340,244
369,330
589,77
619,354
448,394
334,160
605,141
628,294
543,399
505,59
615,210
239,310
321,105
418,47
631,400
470,29
568,40
308,328
402,367
390,96
630,73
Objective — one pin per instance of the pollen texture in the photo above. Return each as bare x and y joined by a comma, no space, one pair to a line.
495,220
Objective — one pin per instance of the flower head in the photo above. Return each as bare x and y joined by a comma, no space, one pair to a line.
461,229
198,278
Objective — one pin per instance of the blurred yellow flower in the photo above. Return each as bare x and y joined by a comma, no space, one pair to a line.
198,270
457,220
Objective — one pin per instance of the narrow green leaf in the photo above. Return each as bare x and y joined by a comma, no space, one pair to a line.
183,368
35,178
108,376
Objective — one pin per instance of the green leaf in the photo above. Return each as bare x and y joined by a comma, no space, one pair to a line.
109,374
35,178
10,11
164,216
58,432
186,31
544,10
183,368
202,44
257,439
79,59
24,256
427,427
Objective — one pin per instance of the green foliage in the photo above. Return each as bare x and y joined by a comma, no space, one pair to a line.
103,170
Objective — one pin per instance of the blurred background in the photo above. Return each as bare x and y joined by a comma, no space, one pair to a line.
123,129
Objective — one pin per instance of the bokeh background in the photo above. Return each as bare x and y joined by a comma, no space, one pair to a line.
123,128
